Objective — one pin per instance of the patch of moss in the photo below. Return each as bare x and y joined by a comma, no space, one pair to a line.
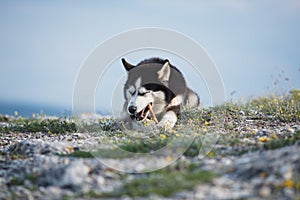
164,183
17,156
278,143
193,150
15,181
31,177
4,129
90,194
106,124
35,125
4,118
79,154
144,146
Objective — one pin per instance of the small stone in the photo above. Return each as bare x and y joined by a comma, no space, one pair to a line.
261,133
76,148
53,191
140,167
265,191
100,180
287,172
37,135
75,174
291,130
226,161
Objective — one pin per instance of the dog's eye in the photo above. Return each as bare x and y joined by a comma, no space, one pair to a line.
131,93
142,93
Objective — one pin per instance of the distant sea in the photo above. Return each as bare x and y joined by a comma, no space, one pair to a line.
27,109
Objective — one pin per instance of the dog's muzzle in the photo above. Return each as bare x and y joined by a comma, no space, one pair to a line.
143,114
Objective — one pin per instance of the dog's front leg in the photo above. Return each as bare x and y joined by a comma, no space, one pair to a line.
168,121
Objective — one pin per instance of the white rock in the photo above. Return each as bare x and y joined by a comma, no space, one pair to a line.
100,181
265,191
75,174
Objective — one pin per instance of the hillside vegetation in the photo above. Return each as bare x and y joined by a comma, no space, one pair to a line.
255,155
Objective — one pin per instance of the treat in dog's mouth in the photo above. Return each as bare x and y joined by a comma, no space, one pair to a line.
143,114
152,113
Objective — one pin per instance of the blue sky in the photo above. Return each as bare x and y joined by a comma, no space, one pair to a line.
43,43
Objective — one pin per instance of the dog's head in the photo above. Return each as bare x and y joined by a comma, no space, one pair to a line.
147,83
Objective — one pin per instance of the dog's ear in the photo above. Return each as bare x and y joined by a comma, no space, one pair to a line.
164,72
127,65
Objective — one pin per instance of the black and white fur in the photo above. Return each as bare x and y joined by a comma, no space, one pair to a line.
155,81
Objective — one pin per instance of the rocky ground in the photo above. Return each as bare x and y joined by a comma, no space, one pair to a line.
256,157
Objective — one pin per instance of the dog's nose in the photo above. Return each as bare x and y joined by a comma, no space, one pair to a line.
132,109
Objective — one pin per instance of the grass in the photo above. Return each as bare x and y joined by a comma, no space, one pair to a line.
16,181
236,123
226,119
4,118
285,108
164,182
79,154
17,156
146,145
193,150
33,125
289,139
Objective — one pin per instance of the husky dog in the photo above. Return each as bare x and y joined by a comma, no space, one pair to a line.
157,83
